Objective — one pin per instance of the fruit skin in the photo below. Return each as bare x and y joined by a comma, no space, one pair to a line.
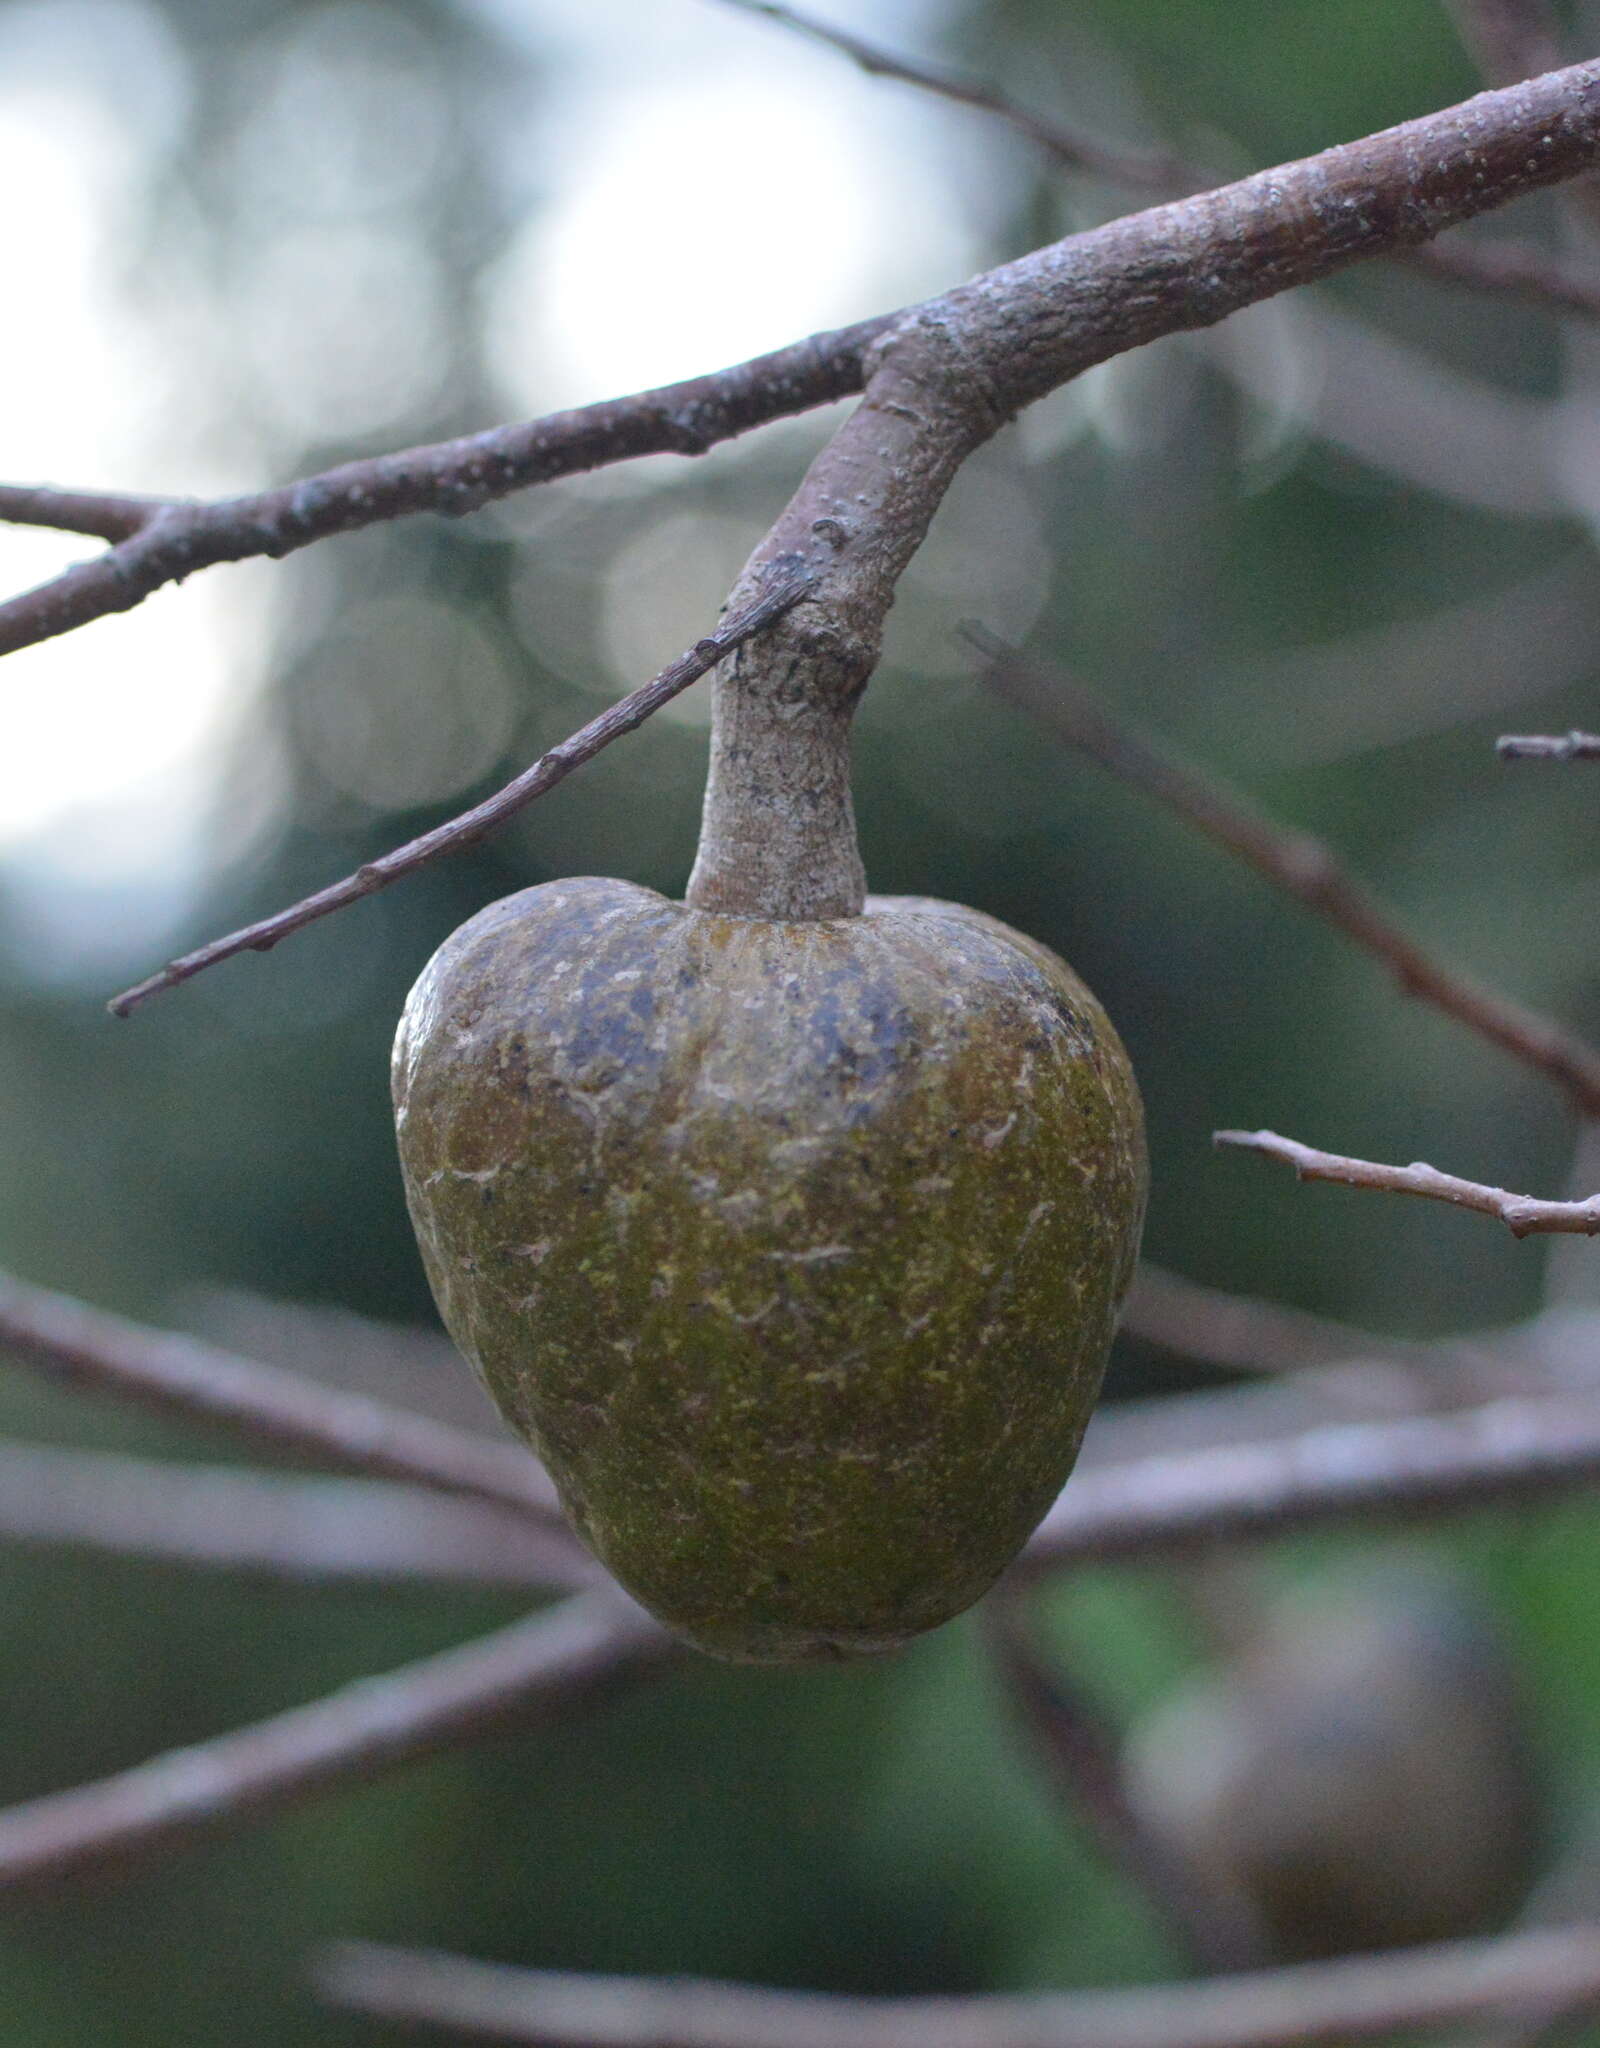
794,1249
1362,1775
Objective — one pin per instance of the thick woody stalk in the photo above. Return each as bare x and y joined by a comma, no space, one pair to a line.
778,833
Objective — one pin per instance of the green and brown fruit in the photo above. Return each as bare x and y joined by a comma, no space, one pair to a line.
794,1249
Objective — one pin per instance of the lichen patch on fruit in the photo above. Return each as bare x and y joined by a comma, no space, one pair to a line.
833,1220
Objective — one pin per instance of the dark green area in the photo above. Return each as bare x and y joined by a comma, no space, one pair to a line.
1338,639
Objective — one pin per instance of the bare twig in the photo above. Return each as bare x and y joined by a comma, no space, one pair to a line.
1566,746
1518,1448
1316,2003
84,1347
625,716
106,515
1523,1215
1148,171
279,1524
1213,1927
164,540
1518,269
532,1667
1296,863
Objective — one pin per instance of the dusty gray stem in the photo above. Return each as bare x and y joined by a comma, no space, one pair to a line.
778,833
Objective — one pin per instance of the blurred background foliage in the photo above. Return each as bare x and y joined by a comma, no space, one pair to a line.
1329,550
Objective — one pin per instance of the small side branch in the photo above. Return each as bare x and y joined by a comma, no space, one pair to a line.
106,515
535,1666
1317,2003
86,1348
1523,1215
1564,746
626,715
1294,862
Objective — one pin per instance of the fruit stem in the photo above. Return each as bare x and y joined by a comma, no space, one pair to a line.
778,833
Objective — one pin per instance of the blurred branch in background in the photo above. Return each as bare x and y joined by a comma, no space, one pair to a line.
1301,866
275,1524
1211,1925
1320,2003
1146,1506
1508,39
68,1341
537,1666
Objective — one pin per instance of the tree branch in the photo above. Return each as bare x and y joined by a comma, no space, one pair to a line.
1523,1215
1293,861
1520,270
783,590
1148,171
85,1348
1316,2003
1080,1758
1142,1507
538,1665
163,540
777,835
281,1525
1166,270
1567,746
1351,1369
106,515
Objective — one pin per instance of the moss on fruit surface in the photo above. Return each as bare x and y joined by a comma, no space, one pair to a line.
794,1249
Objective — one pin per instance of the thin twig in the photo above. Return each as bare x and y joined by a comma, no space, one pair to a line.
1566,746
1523,1215
1517,269
534,1666
1212,1927
86,1348
1523,1447
164,540
1148,171
625,716
1295,862
107,515
1317,2003
283,1525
